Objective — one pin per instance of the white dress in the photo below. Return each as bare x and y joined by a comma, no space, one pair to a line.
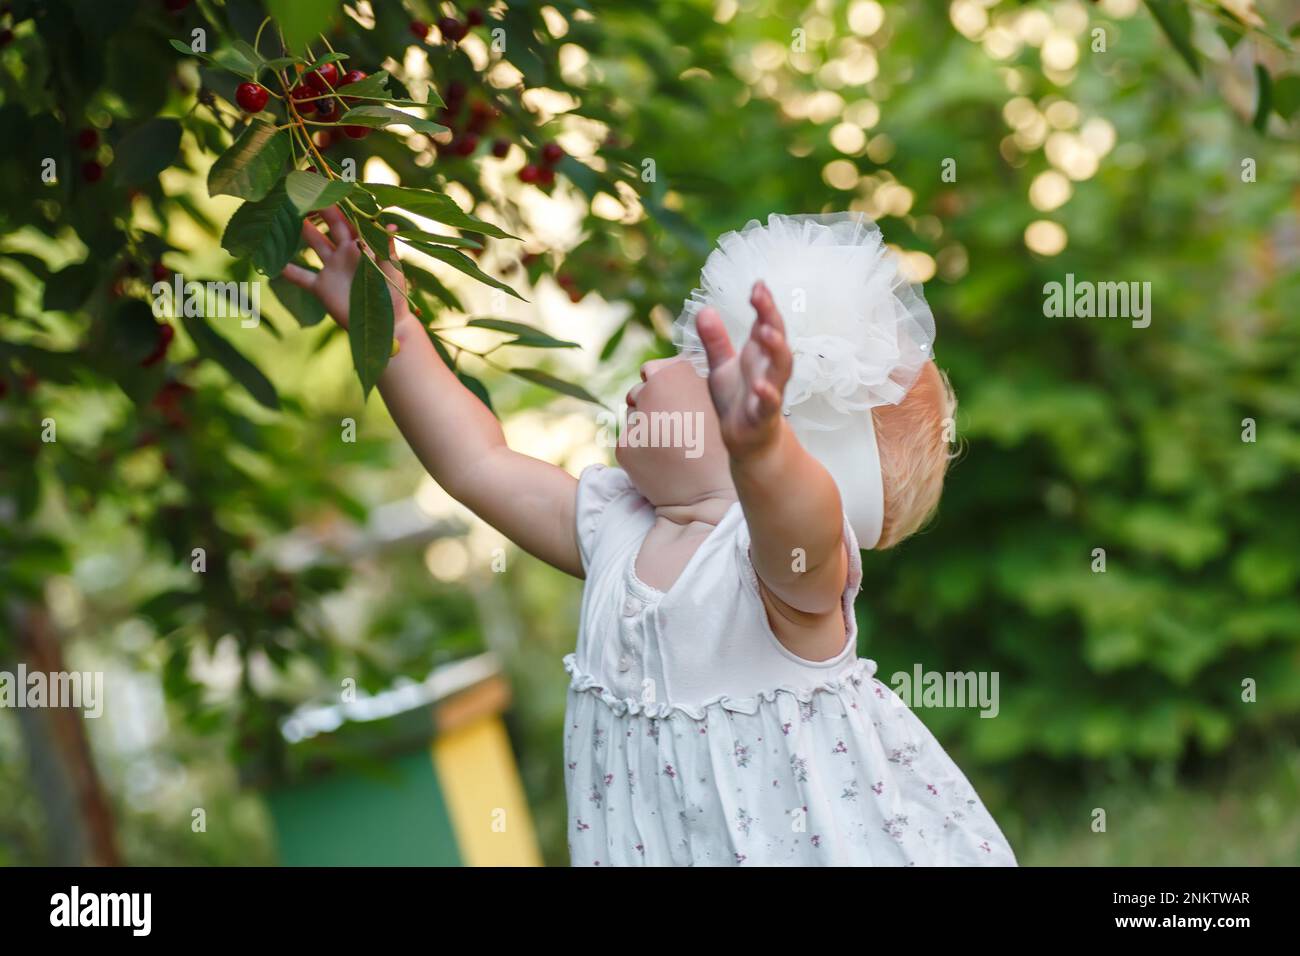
694,737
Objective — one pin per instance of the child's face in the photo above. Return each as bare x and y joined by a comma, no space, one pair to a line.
672,446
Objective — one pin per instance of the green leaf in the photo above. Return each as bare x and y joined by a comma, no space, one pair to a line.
441,349
1264,104
146,151
251,167
463,263
378,116
267,232
229,58
301,304
370,323
1175,20
248,52
327,58
526,334
68,288
614,341
429,282
372,85
420,238
436,206
478,388
1286,95
311,191
301,20
187,49
375,237
547,380
215,347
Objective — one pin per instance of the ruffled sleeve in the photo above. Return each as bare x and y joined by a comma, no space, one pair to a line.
598,486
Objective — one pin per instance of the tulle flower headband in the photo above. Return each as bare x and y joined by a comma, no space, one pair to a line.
860,333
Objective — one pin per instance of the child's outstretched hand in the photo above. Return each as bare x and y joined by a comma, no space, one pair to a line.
340,252
748,387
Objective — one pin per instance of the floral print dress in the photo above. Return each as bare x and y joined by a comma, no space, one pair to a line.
693,737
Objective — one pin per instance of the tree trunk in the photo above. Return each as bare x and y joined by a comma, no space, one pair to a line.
78,816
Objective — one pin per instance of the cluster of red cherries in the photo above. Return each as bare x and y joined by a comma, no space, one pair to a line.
468,125
314,95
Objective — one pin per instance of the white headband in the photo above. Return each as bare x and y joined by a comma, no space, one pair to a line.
859,331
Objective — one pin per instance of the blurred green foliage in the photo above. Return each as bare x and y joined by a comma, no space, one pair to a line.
963,128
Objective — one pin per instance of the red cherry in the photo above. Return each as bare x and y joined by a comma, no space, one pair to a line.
481,117
475,17
324,139
567,281
452,29
352,76
165,335
303,92
546,177
357,132
160,272
251,97
552,153
324,79
575,295
420,29
500,148
327,110
455,94
88,139
530,174
466,145
92,172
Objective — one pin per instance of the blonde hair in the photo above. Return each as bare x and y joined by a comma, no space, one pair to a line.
914,453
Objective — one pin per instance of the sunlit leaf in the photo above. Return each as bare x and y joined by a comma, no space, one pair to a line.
538,377
252,165
311,191
524,334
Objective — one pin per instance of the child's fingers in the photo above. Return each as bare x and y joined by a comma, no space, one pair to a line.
713,336
341,230
317,240
768,314
768,399
778,353
297,275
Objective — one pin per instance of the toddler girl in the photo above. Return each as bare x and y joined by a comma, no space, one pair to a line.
718,713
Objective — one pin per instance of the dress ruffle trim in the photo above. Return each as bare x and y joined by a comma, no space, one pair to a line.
862,670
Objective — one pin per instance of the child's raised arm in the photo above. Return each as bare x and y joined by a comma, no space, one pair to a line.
453,434
791,503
